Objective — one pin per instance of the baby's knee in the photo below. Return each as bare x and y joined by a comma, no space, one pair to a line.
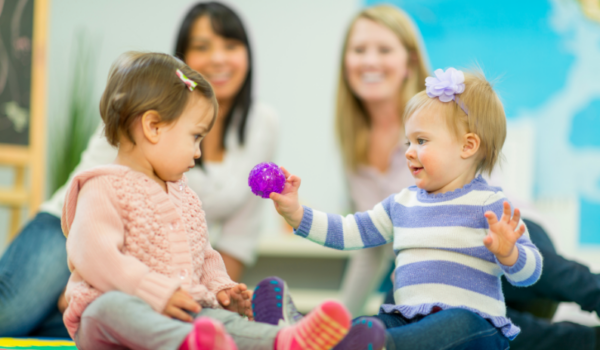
463,316
467,321
109,303
224,316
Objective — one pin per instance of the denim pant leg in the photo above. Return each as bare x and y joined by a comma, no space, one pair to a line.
52,326
33,274
453,329
541,334
247,335
561,280
118,320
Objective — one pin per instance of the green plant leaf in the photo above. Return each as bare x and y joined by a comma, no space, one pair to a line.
82,118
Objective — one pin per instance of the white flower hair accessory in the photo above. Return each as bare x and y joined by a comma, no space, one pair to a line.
446,86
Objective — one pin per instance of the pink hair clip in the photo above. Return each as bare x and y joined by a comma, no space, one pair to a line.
190,83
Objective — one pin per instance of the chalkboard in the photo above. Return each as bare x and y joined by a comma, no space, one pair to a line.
16,30
23,79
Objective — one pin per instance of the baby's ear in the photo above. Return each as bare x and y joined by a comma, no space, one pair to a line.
151,126
471,144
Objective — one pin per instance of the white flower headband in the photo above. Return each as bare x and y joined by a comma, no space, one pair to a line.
446,86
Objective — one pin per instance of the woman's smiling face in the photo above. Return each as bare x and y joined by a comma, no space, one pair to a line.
375,61
222,61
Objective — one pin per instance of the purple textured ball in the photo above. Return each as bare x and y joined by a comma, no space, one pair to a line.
266,178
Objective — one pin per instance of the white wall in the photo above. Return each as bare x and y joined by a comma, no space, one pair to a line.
296,47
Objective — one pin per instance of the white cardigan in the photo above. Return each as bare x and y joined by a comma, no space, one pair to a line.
222,187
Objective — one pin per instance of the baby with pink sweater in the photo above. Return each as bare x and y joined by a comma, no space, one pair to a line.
144,275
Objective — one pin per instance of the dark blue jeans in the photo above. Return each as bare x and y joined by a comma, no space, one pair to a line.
33,273
454,329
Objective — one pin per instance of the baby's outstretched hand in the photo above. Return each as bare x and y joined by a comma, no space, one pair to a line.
286,203
236,299
503,235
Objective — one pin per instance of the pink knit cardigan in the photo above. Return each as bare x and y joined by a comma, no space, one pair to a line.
125,233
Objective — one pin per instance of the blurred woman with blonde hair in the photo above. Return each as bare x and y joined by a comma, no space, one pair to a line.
383,65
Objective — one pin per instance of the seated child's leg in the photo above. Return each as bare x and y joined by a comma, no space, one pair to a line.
117,320
272,303
541,334
320,330
452,329
390,320
246,334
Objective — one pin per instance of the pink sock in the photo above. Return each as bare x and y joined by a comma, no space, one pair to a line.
322,329
208,334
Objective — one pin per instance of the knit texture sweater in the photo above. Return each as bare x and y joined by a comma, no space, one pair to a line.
125,233
441,261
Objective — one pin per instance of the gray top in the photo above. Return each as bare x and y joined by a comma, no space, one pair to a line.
369,186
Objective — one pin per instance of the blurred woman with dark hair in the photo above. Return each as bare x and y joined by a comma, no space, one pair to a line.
213,41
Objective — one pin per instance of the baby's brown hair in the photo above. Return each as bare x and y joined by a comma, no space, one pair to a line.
485,116
139,82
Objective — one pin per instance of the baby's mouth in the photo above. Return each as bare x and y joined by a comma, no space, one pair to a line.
415,170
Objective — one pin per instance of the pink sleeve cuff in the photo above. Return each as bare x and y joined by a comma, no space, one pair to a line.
219,285
156,290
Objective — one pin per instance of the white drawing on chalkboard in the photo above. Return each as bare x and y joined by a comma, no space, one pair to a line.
4,61
21,44
16,114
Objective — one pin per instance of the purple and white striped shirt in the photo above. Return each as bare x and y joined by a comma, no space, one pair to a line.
440,257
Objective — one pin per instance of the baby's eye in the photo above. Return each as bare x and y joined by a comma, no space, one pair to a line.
384,50
420,141
197,137
407,143
359,49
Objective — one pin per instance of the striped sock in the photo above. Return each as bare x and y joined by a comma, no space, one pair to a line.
322,329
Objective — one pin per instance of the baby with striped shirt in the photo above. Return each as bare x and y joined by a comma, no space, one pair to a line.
453,234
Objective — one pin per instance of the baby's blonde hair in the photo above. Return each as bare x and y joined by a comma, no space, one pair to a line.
485,117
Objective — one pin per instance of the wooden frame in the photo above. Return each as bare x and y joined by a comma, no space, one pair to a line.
31,157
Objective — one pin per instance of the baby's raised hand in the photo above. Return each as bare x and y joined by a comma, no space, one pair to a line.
286,203
503,235
236,299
